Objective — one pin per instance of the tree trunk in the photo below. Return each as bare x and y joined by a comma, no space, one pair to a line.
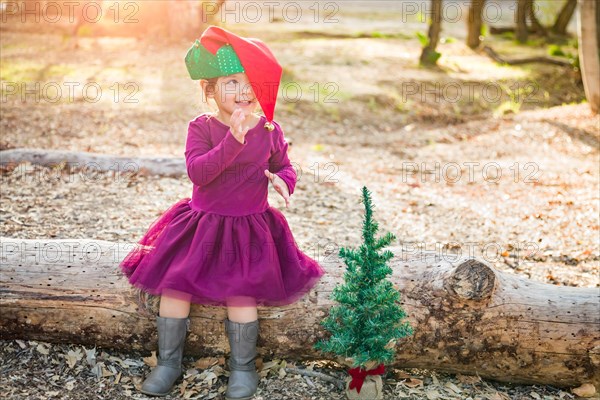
563,18
429,56
589,51
468,318
521,28
474,23
535,23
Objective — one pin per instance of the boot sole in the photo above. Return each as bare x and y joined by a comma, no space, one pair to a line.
177,381
239,398
155,394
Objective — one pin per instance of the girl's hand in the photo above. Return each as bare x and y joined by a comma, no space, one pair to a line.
237,125
280,186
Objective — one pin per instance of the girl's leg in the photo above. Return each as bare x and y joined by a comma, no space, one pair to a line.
174,306
241,314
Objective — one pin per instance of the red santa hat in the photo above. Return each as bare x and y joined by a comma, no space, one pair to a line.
258,62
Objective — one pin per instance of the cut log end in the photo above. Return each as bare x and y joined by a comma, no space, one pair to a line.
472,280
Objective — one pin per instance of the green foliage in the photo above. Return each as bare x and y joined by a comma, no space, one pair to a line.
384,35
485,30
423,39
533,42
573,43
368,320
556,50
517,97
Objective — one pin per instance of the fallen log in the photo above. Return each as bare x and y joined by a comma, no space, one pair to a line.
76,160
526,60
468,317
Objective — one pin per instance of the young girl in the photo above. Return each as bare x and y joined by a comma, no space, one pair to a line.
226,246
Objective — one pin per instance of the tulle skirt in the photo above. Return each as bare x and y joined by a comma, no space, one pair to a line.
218,260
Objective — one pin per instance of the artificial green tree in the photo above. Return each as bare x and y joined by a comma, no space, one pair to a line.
368,320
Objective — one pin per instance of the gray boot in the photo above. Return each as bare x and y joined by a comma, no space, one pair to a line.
171,339
243,378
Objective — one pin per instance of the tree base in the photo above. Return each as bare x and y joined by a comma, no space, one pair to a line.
372,389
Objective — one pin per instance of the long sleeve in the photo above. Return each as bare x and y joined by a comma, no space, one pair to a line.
279,163
204,163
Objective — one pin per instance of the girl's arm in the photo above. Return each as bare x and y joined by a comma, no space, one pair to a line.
204,163
279,163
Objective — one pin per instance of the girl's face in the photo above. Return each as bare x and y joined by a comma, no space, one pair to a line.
234,91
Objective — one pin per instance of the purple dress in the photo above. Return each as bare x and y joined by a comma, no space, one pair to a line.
226,241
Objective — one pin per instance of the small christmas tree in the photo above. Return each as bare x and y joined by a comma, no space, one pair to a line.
368,320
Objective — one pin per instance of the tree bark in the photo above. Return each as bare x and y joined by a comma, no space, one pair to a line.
428,55
535,23
589,51
474,23
563,18
468,317
521,27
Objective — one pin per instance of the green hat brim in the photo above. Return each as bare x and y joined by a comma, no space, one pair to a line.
202,64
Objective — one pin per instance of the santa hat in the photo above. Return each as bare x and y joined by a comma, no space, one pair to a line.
219,52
